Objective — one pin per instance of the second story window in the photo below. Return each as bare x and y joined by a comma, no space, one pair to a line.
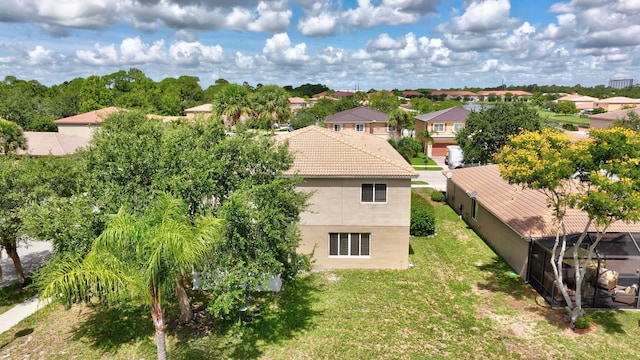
374,193
458,127
438,127
337,127
360,127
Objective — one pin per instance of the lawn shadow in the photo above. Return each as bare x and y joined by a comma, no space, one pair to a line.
109,328
271,319
503,279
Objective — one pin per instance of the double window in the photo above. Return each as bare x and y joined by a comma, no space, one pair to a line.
438,127
337,127
373,193
458,126
360,127
391,128
349,244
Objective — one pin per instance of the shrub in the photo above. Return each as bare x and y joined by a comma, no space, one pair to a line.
583,322
423,221
438,196
569,127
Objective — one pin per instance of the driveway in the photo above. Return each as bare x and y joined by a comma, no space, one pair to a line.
434,178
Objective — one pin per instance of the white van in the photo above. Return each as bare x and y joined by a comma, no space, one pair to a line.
454,157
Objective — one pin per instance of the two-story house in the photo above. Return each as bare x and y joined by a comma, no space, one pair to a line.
359,212
362,119
442,126
83,125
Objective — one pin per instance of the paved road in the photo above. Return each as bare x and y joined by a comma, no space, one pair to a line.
435,178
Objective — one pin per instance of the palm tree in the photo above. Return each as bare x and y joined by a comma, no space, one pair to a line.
399,118
272,103
141,257
426,138
232,103
11,136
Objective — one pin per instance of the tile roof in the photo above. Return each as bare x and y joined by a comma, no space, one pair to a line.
504,92
453,114
453,93
324,153
619,100
52,143
297,100
524,210
200,108
614,115
360,114
92,117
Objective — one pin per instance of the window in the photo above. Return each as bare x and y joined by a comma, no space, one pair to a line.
439,127
360,127
458,126
337,127
349,244
474,209
374,193
391,128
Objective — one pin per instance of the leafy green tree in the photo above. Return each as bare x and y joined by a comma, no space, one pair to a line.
24,181
231,102
487,131
401,119
565,108
271,104
408,147
630,121
384,101
547,160
11,136
139,257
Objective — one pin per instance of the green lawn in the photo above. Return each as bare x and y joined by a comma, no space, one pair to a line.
561,119
458,301
12,295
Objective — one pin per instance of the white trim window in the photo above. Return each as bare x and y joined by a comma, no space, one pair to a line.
359,127
373,193
458,127
437,127
337,127
391,128
349,244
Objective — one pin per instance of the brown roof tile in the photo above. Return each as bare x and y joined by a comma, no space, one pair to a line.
524,210
92,117
361,114
321,152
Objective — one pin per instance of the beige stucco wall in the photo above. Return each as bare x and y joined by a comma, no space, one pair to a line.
335,207
389,247
600,123
503,240
84,130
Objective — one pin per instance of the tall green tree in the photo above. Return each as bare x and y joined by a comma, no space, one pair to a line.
11,136
401,119
25,181
547,160
487,131
384,101
630,121
141,258
565,108
231,102
271,104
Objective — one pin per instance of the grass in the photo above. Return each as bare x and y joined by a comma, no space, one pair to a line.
459,300
13,295
419,182
420,163
561,119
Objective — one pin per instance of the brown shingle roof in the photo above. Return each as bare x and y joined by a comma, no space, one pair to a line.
92,117
360,114
454,114
321,152
614,115
524,210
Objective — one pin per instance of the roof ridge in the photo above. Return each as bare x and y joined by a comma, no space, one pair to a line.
335,135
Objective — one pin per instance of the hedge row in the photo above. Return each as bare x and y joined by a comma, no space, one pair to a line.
423,222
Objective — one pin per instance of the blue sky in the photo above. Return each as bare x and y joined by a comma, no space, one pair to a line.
379,44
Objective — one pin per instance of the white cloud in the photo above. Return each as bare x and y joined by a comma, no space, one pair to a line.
484,16
322,24
278,49
100,56
385,42
41,56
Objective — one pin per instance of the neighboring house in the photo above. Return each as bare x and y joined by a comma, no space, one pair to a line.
204,109
605,120
520,227
504,94
52,143
359,211
83,125
584,103
334,94
616,103
297,103
442,126
454,95
362,119
412,94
